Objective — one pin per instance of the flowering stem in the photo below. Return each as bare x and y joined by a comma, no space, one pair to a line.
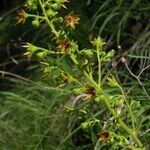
113,112
47,20
99,66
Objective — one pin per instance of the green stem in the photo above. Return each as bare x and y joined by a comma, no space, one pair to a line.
36,16
47,20
130,132
129,108
49,51
99,66
91,80
108,105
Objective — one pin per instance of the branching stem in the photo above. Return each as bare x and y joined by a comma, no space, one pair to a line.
112,110
50,24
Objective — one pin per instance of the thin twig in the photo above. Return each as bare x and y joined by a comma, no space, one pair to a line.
143,70
137,77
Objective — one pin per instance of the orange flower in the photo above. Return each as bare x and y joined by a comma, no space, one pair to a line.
72,20
64,46
22,15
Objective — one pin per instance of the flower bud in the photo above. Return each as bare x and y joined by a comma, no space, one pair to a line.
123,60
41,54
51,13
112,81
31,4
36,22
55,6
87,52
31,48
98,43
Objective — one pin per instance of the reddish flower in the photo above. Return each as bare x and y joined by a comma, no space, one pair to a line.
72,20
63,46
104,136
22,15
